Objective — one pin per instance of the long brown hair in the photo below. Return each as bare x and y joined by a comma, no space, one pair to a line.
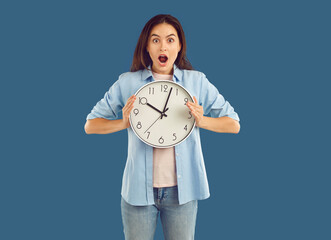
141,58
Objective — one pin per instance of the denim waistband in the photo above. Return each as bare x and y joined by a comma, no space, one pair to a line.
156,188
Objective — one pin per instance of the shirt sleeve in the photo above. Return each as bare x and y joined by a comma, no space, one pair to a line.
213,103
110,106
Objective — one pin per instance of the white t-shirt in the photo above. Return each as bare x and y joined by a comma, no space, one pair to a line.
164,161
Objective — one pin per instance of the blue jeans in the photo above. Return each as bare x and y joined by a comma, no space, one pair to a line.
178,221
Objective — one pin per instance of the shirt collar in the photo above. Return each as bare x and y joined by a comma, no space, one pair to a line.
178,74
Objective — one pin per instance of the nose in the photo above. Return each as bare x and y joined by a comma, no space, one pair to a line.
163,46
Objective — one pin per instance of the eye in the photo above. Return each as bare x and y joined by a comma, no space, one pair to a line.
155,40
171,40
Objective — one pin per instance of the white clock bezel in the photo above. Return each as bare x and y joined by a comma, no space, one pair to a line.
160,146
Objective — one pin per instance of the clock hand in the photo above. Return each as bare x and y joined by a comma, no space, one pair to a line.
156,120
156,109
166,102
163,114
153,123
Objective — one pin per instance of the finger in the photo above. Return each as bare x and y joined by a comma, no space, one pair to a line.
130,102
196,111
126,114
195,115
129,108
193,106
195,100
132,98
191,103
190,106
126,110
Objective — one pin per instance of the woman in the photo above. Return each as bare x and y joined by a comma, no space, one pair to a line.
167,181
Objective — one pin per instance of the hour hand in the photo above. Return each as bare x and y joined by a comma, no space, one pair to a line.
162,113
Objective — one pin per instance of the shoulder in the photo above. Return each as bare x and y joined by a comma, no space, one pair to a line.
193,74
198,76
129,77
198,81
128,83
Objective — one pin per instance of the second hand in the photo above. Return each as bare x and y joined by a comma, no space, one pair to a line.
163,114
153,123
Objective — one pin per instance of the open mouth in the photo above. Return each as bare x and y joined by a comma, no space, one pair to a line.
163,58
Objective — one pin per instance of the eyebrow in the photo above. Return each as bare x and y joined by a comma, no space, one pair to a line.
166,36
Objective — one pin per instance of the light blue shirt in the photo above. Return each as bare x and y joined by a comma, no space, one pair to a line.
137,182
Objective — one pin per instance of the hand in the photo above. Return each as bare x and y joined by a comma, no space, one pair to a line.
164,109
127,109
197,111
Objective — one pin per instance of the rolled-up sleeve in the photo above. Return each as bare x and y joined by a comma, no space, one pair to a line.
110,106
213,103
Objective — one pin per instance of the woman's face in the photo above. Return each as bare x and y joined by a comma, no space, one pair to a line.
163,47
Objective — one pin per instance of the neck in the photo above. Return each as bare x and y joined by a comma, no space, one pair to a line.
170,73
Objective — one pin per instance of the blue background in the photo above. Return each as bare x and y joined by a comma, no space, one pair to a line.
269,59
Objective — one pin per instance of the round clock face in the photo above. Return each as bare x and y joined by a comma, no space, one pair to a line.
160,116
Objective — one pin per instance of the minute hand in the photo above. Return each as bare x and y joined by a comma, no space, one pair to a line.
166,103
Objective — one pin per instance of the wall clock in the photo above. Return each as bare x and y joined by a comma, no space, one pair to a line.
160,117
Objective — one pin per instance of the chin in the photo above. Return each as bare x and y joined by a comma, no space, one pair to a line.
163,69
